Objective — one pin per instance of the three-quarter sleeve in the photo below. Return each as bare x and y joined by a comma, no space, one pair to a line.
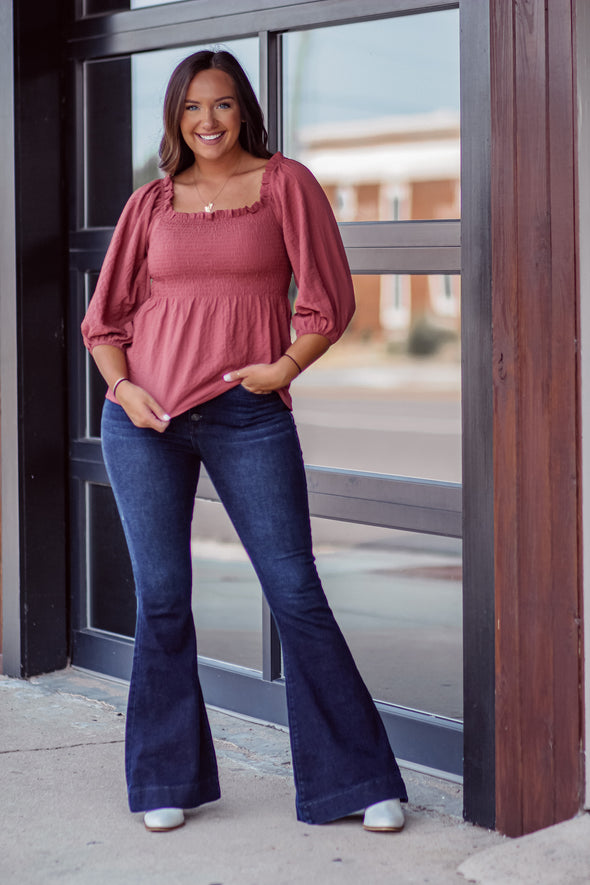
123,283
325,296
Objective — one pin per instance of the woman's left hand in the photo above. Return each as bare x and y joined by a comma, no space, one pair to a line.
264,377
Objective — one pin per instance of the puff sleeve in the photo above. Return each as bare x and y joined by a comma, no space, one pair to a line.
123,284
325,299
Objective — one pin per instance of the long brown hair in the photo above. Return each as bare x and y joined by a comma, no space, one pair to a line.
175,154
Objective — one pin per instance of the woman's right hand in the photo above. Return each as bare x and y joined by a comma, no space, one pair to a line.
141,408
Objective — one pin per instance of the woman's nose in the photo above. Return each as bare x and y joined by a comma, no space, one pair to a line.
208,117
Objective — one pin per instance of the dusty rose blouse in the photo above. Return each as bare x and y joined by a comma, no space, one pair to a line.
191,296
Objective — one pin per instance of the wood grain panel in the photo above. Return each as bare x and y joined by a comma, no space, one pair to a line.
534,442
505,355
565,488
535,421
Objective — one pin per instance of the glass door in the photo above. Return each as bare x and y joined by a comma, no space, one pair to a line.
372,108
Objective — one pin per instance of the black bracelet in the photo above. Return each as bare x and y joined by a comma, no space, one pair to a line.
292,358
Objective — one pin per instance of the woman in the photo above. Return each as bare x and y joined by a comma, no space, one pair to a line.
190,327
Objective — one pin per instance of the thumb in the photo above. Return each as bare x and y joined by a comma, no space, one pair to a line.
158,411
233,376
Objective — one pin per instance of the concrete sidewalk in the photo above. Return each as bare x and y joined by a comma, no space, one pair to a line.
65,817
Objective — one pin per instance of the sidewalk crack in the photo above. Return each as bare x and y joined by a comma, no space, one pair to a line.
61,747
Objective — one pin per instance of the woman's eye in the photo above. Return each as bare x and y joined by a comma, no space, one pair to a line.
191,107
224,105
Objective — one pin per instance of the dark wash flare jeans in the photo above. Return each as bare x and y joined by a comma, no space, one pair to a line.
248,443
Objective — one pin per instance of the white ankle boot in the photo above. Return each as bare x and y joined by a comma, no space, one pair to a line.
384,817
161,819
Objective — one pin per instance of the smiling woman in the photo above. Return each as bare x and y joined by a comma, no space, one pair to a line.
190,327
225,83
214,138
150,73
211,126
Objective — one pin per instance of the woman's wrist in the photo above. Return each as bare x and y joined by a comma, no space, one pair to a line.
116,384
293,360
289,366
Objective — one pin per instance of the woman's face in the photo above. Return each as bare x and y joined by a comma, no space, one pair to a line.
211,122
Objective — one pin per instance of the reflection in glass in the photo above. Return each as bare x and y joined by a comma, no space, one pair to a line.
372,108
227,599
111,586
92,7
387,397
107,143
96,387
398,599
150,72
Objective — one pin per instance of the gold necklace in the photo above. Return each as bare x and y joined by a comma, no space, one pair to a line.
209,207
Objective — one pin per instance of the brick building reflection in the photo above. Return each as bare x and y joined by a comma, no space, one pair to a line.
396,168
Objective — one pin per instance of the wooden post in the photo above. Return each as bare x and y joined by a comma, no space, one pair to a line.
536,438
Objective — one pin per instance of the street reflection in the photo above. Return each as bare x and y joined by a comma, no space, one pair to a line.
369,404
397,597
398,600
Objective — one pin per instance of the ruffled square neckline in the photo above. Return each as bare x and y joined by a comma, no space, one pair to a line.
222,213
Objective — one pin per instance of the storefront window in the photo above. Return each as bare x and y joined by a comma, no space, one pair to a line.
373,109
95,384
398,599
227,599
111,602
387,397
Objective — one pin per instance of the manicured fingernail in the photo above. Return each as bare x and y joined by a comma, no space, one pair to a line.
227,377
166,418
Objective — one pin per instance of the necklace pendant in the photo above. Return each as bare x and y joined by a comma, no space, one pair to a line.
209,207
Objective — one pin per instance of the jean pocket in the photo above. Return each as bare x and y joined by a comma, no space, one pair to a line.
272,395
239,407
239,394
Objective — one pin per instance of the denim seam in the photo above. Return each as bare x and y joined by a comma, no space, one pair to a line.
161,787
293,731
310,803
